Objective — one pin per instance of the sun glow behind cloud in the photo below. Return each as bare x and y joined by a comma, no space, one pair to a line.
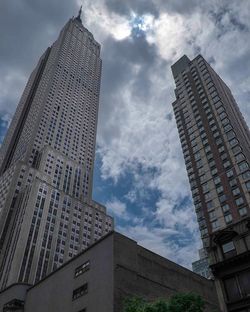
141,24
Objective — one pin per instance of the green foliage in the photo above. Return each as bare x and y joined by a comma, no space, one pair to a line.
186,302
177,303
134,305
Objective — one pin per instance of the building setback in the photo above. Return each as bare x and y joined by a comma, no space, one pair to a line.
47,214
215,141
101,277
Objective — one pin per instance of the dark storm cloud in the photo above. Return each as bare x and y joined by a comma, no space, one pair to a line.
153,7
179,6
126,7
120,58
28,27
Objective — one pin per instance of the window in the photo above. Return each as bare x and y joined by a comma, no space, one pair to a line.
214,171
230,135
226,164
232,289
217,180
207,149
230,173
248,185
223,156
202,177
225,208
199,163
205,187
222,198
219,189
82,268
233,142
244,282
215,224
212,215
236,191
209,204
222,115
79,292
238,286
207,196
221,149
212,164
243,166
228,247
204,232
239,157
227,128
246,175
243,211
197,156
233,182
239,201
228,218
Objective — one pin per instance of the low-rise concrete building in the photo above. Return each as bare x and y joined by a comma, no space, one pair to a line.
101,277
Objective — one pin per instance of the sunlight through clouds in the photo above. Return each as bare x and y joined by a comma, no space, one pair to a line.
97,16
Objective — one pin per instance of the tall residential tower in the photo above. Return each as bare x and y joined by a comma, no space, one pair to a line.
47,214
216,146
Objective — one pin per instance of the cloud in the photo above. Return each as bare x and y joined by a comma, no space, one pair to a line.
137,135
11,84
159,241
116,208
104,22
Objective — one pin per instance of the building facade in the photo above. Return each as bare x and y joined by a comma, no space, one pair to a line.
103,276
47,214
201,266
216,145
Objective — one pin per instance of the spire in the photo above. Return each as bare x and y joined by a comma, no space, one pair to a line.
79,14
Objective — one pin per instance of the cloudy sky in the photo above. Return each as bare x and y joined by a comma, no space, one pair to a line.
139,171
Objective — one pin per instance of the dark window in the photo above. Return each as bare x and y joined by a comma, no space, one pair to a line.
232,289
81,291
227,247
238,286
244,281
13,305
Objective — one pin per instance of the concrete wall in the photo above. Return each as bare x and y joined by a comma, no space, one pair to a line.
139,272
119,268
54,293
16,291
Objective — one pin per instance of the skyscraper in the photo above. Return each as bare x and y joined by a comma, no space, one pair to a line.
216,146
47,214
201,266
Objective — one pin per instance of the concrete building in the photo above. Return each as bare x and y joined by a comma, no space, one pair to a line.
216,146
47,214
201,266
101,277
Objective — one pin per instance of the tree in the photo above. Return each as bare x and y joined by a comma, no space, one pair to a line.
186,302
177,303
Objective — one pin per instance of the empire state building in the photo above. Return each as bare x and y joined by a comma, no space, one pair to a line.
47,214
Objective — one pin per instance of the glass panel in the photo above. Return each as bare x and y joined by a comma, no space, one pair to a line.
228,247
244,281
232,289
